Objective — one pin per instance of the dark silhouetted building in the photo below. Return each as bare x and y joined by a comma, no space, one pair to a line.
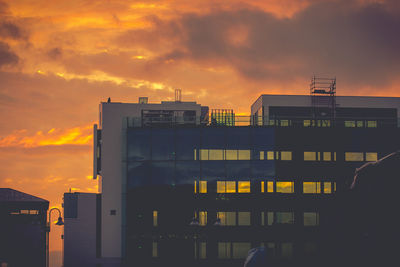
22,229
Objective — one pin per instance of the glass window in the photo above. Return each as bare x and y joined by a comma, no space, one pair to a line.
308,155
244,187
285,187
262,218
270,186
202,187
311,187
155,218
360,124
244,218
261,155
286,155
215,154
284,123
230,187
284,217
155,249
327,156
311,219
270,155
240,249
231,154
221,187
371,124
349,124
353,156
287,250
203,154
224,250
202,250
203,218
244,154
327,187
325,123
262,186
228,218
371,156
195,187
270,217
307,123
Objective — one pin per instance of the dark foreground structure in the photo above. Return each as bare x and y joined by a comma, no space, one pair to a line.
22,229
183,186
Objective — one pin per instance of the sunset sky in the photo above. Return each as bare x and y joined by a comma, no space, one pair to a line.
59,59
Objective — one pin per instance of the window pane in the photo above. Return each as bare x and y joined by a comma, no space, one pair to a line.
286,155
349,124
270,155
203,186
243,187
244,154
243,218
216,154
307,123
224,250
203,250
327,187
360,124
310,155
270,186
371,156
311,219
287,250
327,156
231,187
353,156
262,186
261,155
371,124
155,250
231,154
203,154
240,250
284,187
284,122
221,187
311,187
230,218
155,218
203,218
284,217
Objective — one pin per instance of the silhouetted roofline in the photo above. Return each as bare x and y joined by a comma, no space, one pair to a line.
11,195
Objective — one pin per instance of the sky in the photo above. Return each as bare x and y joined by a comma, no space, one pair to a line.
59,59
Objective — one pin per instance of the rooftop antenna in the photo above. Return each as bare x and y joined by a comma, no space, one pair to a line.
178,95
323,97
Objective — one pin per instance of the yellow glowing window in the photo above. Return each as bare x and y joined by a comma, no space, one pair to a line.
221,187
371,124
203,154
195,154
271,122
311,187
243,187
360,124
203,218
270,155
353,156
334,156
286,155
311,219
307,123
155,218
327,156
284,122
349,124
215,154
262,186
334,186
195,186
277,155
231,154
244,218
308,155
244,154
155,250
227,218
325,123
231,187
284,187
371,156
202,187
270,186
327,187
261,155
200,250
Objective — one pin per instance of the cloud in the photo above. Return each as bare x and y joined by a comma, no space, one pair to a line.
7,57
11,30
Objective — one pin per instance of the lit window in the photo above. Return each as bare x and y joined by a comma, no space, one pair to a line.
371,124
308,155
360,124
224,250
261,155
231,187
270,218
243,187
202,187
285,187
228,218
325,123
270,186
311,219
270,155
200,250
311,187
277,155
327,187
231,155
195,187
327,156
244,154
262,186
203,154
284,217
307,123
353,156
155,249
284,123
216,154
155,218
221,187
371,156
244,218
203,218
195,154
286,155
349,124
240,250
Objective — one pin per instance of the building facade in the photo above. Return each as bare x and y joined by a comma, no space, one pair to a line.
178,188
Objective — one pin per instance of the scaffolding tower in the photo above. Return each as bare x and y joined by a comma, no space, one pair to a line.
323,100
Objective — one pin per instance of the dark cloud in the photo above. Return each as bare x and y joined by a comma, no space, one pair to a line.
54,53
10,30
7,57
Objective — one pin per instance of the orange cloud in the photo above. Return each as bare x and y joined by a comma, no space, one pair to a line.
54,137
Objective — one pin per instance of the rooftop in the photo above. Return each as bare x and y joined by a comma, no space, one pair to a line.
11,195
